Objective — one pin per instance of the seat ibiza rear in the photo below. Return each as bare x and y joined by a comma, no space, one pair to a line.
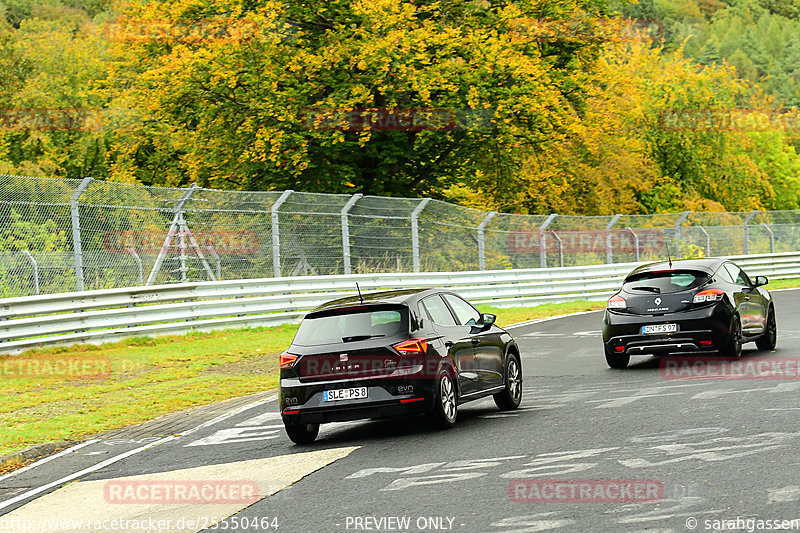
688,306
394,353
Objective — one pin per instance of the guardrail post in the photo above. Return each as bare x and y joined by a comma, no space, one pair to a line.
678,225
77,246
747,231
346,231
35,267
708,240
542,243
635,242
138,263
415,232
177,221
276,235
771,238
609,248
482,239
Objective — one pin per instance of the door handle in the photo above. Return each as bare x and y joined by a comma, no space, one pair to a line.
476,342
448,344
746,298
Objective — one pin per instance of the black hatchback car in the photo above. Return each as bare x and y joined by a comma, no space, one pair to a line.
697,305
395,353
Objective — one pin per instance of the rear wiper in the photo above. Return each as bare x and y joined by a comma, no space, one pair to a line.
360,338
649,289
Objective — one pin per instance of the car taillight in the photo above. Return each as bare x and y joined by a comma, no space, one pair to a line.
709,295
415,346
616,302
287,360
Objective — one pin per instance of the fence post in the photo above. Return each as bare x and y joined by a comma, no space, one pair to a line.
542,243
138,263
35,266
276,236
75,216
560,248
346,231
635,241
771,238
177,222
678,225
415,232
609,248
747,231
708,240
482,239
217,260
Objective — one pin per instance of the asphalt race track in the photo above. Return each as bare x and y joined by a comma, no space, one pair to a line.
712,451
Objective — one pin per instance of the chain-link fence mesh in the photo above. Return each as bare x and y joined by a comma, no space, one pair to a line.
67,235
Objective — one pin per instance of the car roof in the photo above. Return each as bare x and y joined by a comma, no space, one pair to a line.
710,265
402,296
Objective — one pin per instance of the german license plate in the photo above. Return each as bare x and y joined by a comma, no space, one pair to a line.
355,393
659,328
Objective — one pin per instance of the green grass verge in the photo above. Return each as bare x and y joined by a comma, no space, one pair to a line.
150,377
792,283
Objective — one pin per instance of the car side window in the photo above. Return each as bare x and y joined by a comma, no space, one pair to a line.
437,311
466,314
738,275
724,274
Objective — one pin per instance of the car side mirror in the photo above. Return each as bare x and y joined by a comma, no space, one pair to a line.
761,280
487,319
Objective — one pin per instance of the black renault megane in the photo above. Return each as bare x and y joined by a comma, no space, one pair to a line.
395,353
697,305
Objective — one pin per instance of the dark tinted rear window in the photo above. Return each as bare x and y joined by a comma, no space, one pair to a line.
348,325
665,281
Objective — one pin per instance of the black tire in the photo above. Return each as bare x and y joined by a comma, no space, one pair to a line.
770,337
445,402
511,396
302,433
733,348
616,360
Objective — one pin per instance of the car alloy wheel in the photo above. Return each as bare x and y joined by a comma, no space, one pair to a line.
770,337
511,395
448,398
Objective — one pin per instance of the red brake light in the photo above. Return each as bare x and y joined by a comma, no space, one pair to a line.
616,302
705,343
709,295
287,360
415,346
619,348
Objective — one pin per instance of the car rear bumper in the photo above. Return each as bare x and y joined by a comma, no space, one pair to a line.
699,330
304,402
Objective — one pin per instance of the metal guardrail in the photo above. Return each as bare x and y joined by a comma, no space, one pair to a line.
112,314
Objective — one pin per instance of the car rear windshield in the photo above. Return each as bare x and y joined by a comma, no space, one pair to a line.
664,281
352,324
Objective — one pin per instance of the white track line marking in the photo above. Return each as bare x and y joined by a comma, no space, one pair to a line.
120,457
62,453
